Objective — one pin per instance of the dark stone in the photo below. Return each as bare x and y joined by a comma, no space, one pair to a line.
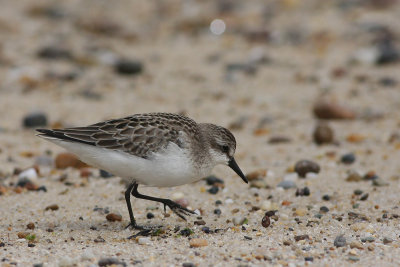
128,67
35,119
303,192
387,82
110,261
303,167
326,197
105,174
42,188
150,215
54,53
364,197
211,180
340,241
217,211
213,190
387,53
188,264
323,134
357,192
186,232
218,202
206,229
301,237
38,265
279,139
309,258
324,209
31,245
348,158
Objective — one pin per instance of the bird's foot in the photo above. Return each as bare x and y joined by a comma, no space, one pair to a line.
177,209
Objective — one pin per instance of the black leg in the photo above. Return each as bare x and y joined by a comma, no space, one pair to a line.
175,207
128,203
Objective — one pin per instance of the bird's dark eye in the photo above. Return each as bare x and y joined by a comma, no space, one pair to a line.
225,149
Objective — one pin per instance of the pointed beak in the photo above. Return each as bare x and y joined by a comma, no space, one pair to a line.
232,163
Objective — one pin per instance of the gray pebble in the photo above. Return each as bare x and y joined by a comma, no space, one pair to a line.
35,119
287,184
340,241
110,261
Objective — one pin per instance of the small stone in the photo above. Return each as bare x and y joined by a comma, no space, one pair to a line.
112,217
211,180
326,197
99,239
303,192
65,160
38,265
206,229
348,158
323,134
303,167
354,258
177,195
387,82
35,119
52,207
188,264
29,174
364,197
309,259
44,160
198,242
110,261
238,220
357,192
387,240
213,190
200,222
186,232
324,209
379,182
85,172
369,239
287,184
356,244
30,226
300,212
22,234
128,67
54,53
330,110
265,222
256,175
150,215
217,211
340,241
279,139
301,237
105,174
258,183
144,240
353,176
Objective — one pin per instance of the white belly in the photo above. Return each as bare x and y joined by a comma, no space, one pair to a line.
171,168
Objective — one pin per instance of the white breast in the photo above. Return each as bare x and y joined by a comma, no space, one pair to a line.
172,167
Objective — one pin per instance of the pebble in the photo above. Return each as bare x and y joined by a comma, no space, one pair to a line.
323,134
387,240
379,182
110,261
256,175
364,197
368,239
30,226
357,192
177,195
266,205
44,160
353,176
198,242
287,184
65,160
200,222
348,158
112,217
54,53
303,191
326,197
217,211
144,240
301,237
211,180
188,264
35,119
128,67
150,215
238,220
213,190
340,241
387,52
206,229
303,167
300,212
324,209
325,109
105,174
309,259
279,139
387,82
354,258
258,183
265,222
52,207
356,244
22,234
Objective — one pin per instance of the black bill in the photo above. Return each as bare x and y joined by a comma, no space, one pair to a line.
232,163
